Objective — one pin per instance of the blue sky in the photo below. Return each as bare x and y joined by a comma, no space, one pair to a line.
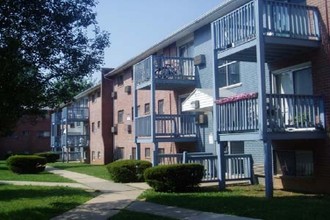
136,25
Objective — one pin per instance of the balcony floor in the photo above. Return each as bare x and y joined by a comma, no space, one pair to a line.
276,48
188,138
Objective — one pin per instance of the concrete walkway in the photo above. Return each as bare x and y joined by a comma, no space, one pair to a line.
117,196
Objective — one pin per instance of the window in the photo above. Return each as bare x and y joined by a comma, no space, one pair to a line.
133,156
228,73
72,125
78,123
93,126
147,152
98,155
93,98
98,94
120,116
98,124
120,80
161,106
93,155
43,134
294,163
147,108
119,153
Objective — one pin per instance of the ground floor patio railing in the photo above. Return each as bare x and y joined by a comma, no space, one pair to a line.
238,166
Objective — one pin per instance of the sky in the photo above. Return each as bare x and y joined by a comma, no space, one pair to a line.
136,25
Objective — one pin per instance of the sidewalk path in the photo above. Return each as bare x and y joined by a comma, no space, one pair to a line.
117,196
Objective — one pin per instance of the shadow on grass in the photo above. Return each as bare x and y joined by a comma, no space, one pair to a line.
38,212
8,192
249,203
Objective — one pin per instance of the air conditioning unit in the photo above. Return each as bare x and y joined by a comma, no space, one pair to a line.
128,89
129,129
201,119
195,104
114,129
114,95
199,60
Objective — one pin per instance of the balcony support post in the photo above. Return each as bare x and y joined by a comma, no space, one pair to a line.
221,165
155,155
262,98
138,151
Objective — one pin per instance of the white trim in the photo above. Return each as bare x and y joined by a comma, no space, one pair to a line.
232,86
226,64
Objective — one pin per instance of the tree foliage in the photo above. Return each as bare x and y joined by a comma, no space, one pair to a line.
47,48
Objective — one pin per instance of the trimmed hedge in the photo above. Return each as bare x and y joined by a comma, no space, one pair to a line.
174,178
24,164
125,171
51,157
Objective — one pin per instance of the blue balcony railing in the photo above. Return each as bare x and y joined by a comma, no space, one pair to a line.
285,113
56,118
173,126
75,140
75,113
170,68
280,19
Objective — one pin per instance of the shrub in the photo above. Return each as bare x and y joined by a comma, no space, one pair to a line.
26,163
125,171
51,157
174,178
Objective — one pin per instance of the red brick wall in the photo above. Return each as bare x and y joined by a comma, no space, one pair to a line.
320,60
124,101
101,139
26,136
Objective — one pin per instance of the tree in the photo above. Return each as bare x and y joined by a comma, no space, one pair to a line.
47,49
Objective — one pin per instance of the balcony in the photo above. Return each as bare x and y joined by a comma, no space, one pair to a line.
56,118
168,73
75,114
287,28
55,141
178,128
286,114
75,140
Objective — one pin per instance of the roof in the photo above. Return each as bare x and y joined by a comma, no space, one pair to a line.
224,7
87,91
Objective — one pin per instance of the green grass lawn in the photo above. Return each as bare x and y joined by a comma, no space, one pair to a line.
93,170
38,202
129,215
6,174
248,201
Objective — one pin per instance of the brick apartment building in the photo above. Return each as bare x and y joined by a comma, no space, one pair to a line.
31,135
247,79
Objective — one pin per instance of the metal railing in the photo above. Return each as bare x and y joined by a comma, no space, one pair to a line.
175,125
75,113
166,125
238,166
284,113
75,140
56,118
143,126
159,67
279,19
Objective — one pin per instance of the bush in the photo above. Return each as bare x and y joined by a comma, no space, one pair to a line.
51,157
174,178
125,171
26,163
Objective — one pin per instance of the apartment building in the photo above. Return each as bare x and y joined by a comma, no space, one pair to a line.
81,130
249,77
247,82
31,135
